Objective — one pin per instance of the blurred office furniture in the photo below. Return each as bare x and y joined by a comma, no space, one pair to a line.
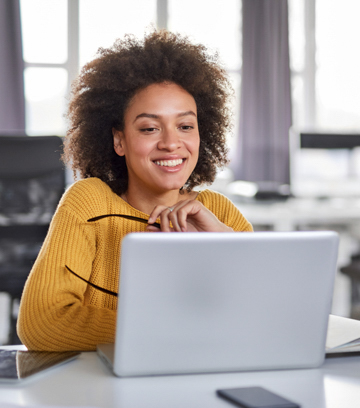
32,180
339,214
324,185
324,164
324,194
327,165
352,270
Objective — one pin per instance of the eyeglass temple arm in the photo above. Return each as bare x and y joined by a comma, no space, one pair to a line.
109,292
129,217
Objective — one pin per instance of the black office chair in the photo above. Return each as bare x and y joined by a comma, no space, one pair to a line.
32,180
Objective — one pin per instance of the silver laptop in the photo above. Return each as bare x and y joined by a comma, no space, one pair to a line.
222,302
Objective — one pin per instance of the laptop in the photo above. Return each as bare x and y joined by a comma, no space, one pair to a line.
222,302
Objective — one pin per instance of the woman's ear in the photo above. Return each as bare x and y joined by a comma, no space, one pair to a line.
118,137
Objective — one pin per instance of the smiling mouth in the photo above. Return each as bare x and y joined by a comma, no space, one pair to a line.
169,163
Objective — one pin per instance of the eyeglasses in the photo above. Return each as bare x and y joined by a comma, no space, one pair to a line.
129,217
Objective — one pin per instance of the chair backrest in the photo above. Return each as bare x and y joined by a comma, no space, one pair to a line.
32,178
311,140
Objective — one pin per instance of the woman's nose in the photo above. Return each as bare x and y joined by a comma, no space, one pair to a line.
169,140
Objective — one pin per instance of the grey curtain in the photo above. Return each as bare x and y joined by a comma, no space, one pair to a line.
12,104
265,117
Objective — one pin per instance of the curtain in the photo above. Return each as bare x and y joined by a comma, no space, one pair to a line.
12,101
265,115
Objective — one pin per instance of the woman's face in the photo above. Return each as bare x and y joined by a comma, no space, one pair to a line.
161,139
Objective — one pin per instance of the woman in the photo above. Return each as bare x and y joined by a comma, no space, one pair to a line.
147,124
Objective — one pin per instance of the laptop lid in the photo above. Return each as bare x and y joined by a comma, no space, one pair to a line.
221,302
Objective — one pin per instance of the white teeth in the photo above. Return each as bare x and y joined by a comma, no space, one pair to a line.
169,163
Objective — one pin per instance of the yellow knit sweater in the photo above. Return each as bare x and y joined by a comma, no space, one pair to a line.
59,311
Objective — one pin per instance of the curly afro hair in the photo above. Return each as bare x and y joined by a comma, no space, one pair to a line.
105,86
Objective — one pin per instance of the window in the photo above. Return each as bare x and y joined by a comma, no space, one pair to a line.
325,64
325,67
338,64
45,50
101,22
62,35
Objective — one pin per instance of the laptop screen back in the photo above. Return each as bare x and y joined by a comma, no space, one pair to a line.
216,302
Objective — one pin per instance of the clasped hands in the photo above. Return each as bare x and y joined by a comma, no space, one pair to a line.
186,216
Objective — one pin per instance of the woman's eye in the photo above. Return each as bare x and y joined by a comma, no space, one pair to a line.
149,130
186,127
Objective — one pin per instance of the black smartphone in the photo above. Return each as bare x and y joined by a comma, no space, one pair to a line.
255,397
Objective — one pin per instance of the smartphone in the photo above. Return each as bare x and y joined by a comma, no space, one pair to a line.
255,397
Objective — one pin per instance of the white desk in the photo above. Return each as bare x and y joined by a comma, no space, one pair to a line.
298,212
88,382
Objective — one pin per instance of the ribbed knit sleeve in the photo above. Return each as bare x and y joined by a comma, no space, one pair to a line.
224,210
59,311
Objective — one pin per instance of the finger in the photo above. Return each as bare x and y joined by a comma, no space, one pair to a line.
156,213
152,228
164,220
182,220
174,216
188,207
159,212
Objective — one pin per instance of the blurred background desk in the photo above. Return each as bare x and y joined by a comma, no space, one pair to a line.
304,213
87,382
338,214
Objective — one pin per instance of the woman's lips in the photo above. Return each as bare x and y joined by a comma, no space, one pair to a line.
169,163
170,166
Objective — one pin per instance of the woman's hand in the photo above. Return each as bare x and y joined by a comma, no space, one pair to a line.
186,216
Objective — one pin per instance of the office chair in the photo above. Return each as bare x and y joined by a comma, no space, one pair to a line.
32,180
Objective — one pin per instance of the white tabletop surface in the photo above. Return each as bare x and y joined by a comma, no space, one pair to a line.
297,212
87,382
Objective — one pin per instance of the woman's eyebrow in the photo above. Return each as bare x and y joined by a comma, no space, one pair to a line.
147,115
154,116
190,112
